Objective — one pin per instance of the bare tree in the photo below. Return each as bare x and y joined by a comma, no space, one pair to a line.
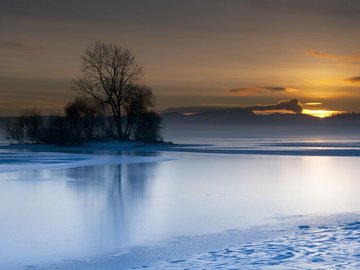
15,131
83,117
108,71
33,124
27,128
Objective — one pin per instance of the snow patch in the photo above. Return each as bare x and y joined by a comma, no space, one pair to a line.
331,243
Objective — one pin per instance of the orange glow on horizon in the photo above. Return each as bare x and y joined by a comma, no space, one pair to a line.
320,113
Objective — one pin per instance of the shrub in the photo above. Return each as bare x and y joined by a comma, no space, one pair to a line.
148,128
27,128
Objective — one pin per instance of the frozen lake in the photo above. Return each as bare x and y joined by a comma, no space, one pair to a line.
58,207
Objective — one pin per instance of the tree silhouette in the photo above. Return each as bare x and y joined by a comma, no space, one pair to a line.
137,101
84,119
109,72
111,103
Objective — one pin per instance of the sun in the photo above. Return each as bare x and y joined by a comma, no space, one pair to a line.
320,113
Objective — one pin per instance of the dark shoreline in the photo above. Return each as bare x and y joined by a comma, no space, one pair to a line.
186,148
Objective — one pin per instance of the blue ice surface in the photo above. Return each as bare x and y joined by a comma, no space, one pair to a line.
99,207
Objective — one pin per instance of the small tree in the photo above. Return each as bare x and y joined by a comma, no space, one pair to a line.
15,131
56,130
27,128
33,123
83,116
148,128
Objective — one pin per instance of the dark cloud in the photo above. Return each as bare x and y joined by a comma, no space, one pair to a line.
323,55
292,105
276,88
16,46
355,79
266,88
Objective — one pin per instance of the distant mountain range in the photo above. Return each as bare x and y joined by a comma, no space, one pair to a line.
240,122
235,122
245,116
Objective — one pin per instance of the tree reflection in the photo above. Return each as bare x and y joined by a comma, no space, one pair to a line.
112,201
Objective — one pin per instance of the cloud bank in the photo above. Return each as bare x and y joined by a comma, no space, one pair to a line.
292,105
347,59
355,79
263,88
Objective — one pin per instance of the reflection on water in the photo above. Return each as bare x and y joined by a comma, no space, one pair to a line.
75,211
67,213
112,200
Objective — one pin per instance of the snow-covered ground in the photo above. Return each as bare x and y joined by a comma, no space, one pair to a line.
323,247
327,242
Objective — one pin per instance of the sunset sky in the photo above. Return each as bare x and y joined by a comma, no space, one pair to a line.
194,53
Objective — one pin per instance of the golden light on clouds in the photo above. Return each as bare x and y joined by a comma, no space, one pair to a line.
313,103
272,112
347,59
